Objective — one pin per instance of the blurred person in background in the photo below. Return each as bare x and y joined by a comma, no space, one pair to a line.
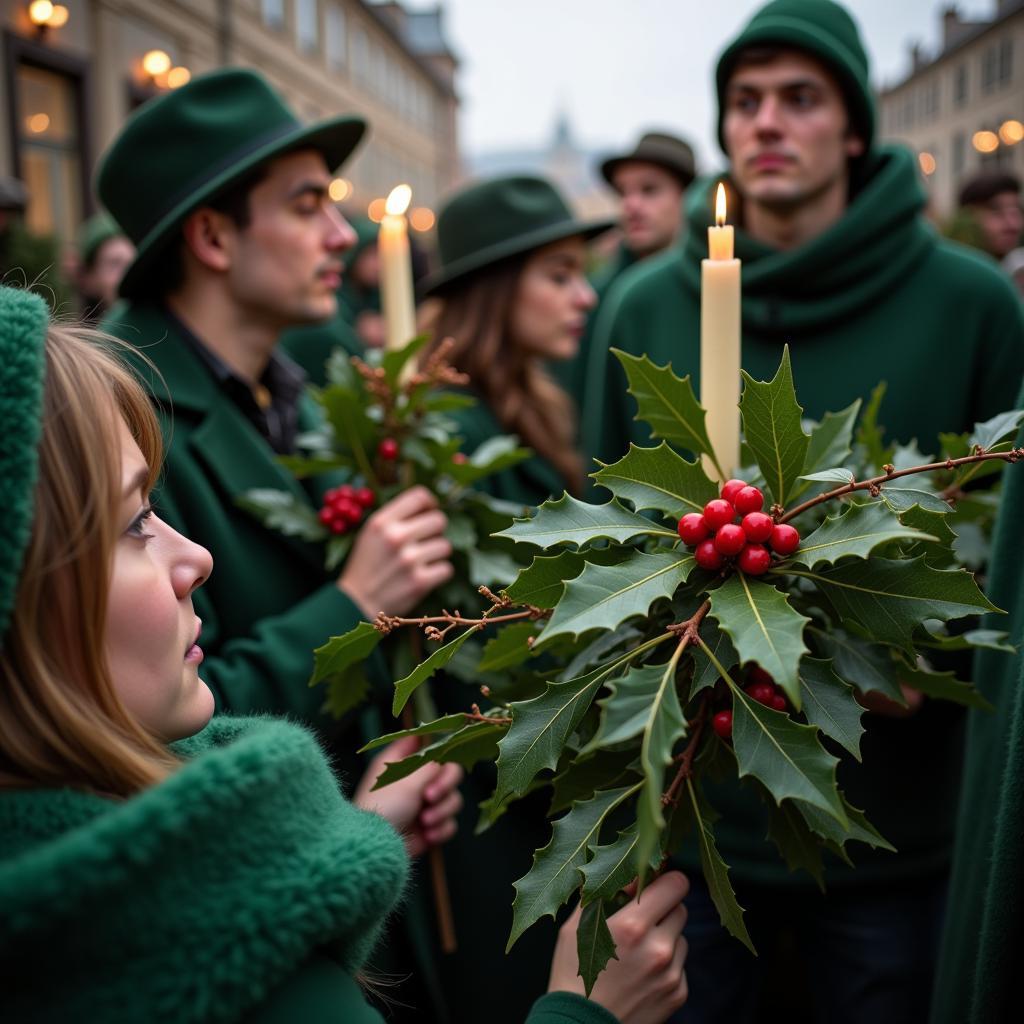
104,254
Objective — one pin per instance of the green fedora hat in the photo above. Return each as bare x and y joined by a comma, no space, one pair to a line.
498,218
182,149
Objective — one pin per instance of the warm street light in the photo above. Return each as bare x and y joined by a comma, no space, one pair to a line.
422,218
985,141
44,14
375,211
1011,132
927,164
156,62
177,77
339,190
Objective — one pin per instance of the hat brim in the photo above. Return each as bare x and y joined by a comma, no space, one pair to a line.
335,139
459,269
607,168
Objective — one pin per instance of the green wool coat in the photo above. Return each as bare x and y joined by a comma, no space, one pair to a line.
978,979
242,888
876,297
312,346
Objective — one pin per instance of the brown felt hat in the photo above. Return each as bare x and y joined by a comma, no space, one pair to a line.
667,151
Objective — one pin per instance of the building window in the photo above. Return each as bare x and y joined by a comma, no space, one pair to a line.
273,13
49,141
307,27
361,55
929,101
989,68
336,39
959,154
960,85
1004,67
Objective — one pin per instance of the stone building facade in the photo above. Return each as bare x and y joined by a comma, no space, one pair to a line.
962,108
67,86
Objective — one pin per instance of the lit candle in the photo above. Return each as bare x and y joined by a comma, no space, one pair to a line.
720,344
396,270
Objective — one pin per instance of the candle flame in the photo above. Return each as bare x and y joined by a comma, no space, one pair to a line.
398,201
720,205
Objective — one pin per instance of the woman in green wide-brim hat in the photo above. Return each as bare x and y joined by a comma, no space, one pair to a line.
511,293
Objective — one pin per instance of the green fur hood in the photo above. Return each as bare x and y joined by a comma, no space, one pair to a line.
194,899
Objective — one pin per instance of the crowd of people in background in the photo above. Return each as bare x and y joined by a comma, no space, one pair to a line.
175,844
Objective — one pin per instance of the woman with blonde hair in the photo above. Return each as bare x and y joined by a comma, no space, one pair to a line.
156,865
512,294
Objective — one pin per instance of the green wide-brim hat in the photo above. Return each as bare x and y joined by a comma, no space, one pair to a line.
493,220
24,318
184,148
821,28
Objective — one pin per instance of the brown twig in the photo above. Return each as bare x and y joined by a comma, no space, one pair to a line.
476,716
388,623
685,759
875,483
687,631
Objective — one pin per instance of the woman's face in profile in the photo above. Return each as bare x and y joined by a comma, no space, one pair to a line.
152,629
549,314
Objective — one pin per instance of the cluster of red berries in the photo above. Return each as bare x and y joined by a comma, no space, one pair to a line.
761,687
345,507
719,533
388,449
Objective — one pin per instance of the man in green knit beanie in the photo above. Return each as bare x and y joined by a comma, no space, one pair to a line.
839,263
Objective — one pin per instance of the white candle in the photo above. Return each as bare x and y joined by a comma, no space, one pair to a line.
720,344
396,292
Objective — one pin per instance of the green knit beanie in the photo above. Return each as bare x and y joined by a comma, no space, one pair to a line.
24,318
818,27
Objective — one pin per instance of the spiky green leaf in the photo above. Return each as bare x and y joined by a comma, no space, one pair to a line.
763,627
542,582
659,479
772,429
945,686
342,651
594,944
571,521
509,648
473,743
857,827
624,711
795,841
405,688
284,512
830,440
830,704
854,534
865,666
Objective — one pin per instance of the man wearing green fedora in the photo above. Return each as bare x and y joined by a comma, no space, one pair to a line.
225,195
839,264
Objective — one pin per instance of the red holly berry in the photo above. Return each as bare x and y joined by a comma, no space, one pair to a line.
779,702
365,497
460,458
784,539
754,560
325,515
346,491
731,488
757,526
708,556
730,539
718,512
722,724
388,449
350,512
338,524
750,499
758,675
762,693
692,528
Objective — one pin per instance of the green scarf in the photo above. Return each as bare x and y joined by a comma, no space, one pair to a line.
195,899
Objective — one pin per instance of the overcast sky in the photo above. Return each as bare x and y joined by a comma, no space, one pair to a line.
619,66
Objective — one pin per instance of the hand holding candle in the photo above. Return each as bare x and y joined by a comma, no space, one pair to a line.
396,290
720,344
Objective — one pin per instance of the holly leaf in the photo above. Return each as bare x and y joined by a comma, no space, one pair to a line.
772,429
489,567
476,742
542,582
394,360
345,692
556,870
594,944
342,651
625,710
658,478
509,648
705,672
602,596
1002,427
405,688
666,403
992,639
763,627
788,830
829,703
784,755
870,433
540,728
585,774
446,724
855,533
284,512
830,440
857,827
902,499
663,727
612,867
839,475
945,686
889,598
493,456
571,521
716,874
866,667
